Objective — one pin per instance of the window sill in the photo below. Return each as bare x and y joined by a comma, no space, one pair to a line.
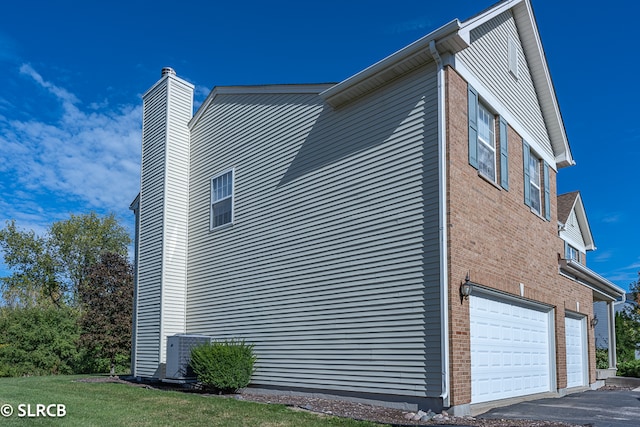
489,180
539,215
221,227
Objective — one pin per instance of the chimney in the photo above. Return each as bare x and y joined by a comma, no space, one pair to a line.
162,221
168,71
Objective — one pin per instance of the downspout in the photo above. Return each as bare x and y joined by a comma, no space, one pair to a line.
442,224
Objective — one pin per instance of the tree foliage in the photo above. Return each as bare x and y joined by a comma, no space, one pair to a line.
38,341
49,269
634,293
628,326
627,336
79,242
33,282
106,296
45,325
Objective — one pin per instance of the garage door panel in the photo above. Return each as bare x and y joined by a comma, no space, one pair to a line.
510,352
576,351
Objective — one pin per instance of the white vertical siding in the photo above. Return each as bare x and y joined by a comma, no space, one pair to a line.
161,285
488,59
328,266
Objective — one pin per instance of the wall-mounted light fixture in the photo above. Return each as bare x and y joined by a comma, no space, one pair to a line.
594,321
465,288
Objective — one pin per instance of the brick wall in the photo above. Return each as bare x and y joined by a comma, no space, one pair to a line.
495,237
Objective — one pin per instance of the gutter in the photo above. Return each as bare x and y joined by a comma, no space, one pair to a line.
393,65
591,278
442,222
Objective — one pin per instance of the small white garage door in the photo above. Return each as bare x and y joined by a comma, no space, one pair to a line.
510,349
576,351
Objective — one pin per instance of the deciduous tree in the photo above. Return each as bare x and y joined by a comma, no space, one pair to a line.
33,282
49,269
107,307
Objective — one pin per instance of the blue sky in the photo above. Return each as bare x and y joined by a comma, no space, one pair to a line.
74,71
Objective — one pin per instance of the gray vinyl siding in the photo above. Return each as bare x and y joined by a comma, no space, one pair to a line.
488,59
327,264
149,270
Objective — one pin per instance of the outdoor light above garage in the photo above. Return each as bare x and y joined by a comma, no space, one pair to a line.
466,288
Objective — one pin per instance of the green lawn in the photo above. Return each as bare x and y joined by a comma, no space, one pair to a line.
113,404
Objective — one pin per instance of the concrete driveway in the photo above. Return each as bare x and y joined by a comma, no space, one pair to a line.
598,408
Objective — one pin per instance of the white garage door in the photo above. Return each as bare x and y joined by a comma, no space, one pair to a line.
510,349
576,352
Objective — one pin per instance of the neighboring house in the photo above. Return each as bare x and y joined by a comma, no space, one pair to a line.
604,329
576,234
333,225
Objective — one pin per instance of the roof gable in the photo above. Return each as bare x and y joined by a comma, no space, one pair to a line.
570,206
532,46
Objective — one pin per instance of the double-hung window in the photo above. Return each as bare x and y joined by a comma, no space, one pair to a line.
221,199
484,154
534,183
486,143
571,253
537,193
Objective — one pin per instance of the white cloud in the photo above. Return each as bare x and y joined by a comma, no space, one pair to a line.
200,95
624,276
635,266
612,218
68,98
602,256
83,160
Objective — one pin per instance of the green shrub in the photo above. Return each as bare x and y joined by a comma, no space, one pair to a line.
629,369
38,341
602,358
223,366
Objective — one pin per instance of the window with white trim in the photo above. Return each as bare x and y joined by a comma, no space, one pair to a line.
221,199
571,253
486,143
534,183
483,147
537,182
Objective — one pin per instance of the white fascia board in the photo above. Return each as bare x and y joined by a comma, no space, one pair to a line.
583,223
581,215
532,45
448,34
257,89
486,15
